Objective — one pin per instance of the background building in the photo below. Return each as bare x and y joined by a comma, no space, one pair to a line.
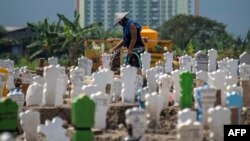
147,12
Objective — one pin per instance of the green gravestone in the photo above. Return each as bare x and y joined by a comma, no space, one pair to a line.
186,83
82,116
8,116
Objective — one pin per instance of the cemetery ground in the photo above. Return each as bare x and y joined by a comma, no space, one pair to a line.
116,127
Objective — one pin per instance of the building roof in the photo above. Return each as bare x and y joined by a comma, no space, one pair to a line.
14,28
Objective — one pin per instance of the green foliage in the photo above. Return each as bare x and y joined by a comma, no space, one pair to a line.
2,29
24,61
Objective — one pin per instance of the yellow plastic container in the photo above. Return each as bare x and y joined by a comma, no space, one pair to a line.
151,37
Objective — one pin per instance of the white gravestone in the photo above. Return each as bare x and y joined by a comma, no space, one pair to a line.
202,61
51,75
245,58
77,79
6,136
27,78
223,64
53,61
128,76
186,114
202,75
233,68
151,79
231,80
138,82
208,98
160,67
218,117
106,58
145,59
165,83
29,121
90,89
86,64
154,105
185,63
244,70
168,57
38,79
102,78
116,89
64,78
16,73
176,85
194,64
7,64
137,119
101,101
218,80
10,81
34,94
189,131
53,131
212,56
17,96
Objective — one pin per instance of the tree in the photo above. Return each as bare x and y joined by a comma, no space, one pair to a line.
74,36
182,28
48,38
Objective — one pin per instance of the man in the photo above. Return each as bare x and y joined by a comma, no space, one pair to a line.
131,39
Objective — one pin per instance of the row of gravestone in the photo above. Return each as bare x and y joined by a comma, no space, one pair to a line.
188,128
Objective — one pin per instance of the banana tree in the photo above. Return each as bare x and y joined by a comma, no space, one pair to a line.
48,39
74,36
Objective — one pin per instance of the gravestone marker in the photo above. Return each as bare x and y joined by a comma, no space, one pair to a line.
77,81
202,61
116,89
90,89
101,101
82,120
53,61
51,75
145,59
212,56
186,96
244,71
8,116
218,117
106,58
217,80
137,119
128,76
154,104
6,137
235,100
34,94
208,99
176,85
186,114
38,79
233,68
185,63
29,121
85,64
141,96
27,79
164,84
53,131
245,58
168,57
151,79
189,131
